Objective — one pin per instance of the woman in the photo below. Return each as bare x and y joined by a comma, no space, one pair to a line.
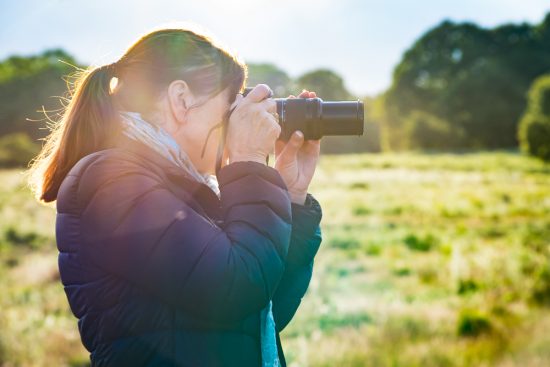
164,263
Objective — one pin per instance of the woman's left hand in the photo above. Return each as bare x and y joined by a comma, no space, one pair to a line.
296,161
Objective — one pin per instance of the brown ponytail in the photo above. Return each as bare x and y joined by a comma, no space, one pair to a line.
87,126
90,121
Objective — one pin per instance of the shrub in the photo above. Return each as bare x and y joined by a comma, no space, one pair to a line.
472,323
427,275
535,261
361,210
466,286
373,249
344,242
330,322
359,185
402,272
534,126
425,243
17,238
541,288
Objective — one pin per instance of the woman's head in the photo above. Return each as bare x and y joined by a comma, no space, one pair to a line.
179,78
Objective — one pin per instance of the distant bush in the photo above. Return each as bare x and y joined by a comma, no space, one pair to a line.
541,288
344,242
428,275
359,185
14,237
361,210
534,127
402,271
331,322
16,150
420,243
535,240
466,286
373,249
472,323
536,260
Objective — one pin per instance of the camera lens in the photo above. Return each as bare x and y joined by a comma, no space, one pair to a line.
317,118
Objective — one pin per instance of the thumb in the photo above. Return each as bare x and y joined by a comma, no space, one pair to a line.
291,149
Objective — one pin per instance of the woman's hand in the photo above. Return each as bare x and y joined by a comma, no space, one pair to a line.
252,128
296,160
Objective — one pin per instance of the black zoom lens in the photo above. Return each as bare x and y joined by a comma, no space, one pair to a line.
317,118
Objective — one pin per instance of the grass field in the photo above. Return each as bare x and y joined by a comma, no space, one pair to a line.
426,260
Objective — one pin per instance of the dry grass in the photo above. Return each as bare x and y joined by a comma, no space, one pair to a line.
426,260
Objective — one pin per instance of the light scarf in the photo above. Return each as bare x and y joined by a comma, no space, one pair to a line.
154,136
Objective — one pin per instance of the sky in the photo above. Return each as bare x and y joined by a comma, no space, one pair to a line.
362,41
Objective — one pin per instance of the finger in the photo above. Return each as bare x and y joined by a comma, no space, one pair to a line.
312,94
279,146
309,154
274,121
304,94
259,93
292,96
290,151
310,146
269,105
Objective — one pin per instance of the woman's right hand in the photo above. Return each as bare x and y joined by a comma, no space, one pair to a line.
252,129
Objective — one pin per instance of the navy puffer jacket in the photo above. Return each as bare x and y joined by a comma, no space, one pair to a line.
160,271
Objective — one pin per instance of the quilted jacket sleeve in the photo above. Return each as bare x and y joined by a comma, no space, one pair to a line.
132,226
304,243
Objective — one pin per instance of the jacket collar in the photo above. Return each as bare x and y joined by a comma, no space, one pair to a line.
179,181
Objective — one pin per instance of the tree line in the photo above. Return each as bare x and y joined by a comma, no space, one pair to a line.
459,86
34,90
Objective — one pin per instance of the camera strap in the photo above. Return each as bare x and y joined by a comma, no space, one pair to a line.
221,145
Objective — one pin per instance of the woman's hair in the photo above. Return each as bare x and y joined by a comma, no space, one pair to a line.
90,120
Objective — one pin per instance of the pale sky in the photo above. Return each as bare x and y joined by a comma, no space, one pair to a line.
360,40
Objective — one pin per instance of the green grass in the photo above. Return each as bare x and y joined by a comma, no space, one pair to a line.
426,260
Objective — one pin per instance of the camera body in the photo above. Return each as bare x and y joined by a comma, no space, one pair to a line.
317,118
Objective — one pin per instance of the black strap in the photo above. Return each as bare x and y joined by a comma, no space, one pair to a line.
221,146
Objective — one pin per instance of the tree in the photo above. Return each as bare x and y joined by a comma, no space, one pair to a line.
26,85
424,130
269,74
474,78
328,85
534,127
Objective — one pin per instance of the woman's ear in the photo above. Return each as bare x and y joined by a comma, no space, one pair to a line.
180,98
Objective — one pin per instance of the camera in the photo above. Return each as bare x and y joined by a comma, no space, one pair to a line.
317,118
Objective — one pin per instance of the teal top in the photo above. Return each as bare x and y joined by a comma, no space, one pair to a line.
270,356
